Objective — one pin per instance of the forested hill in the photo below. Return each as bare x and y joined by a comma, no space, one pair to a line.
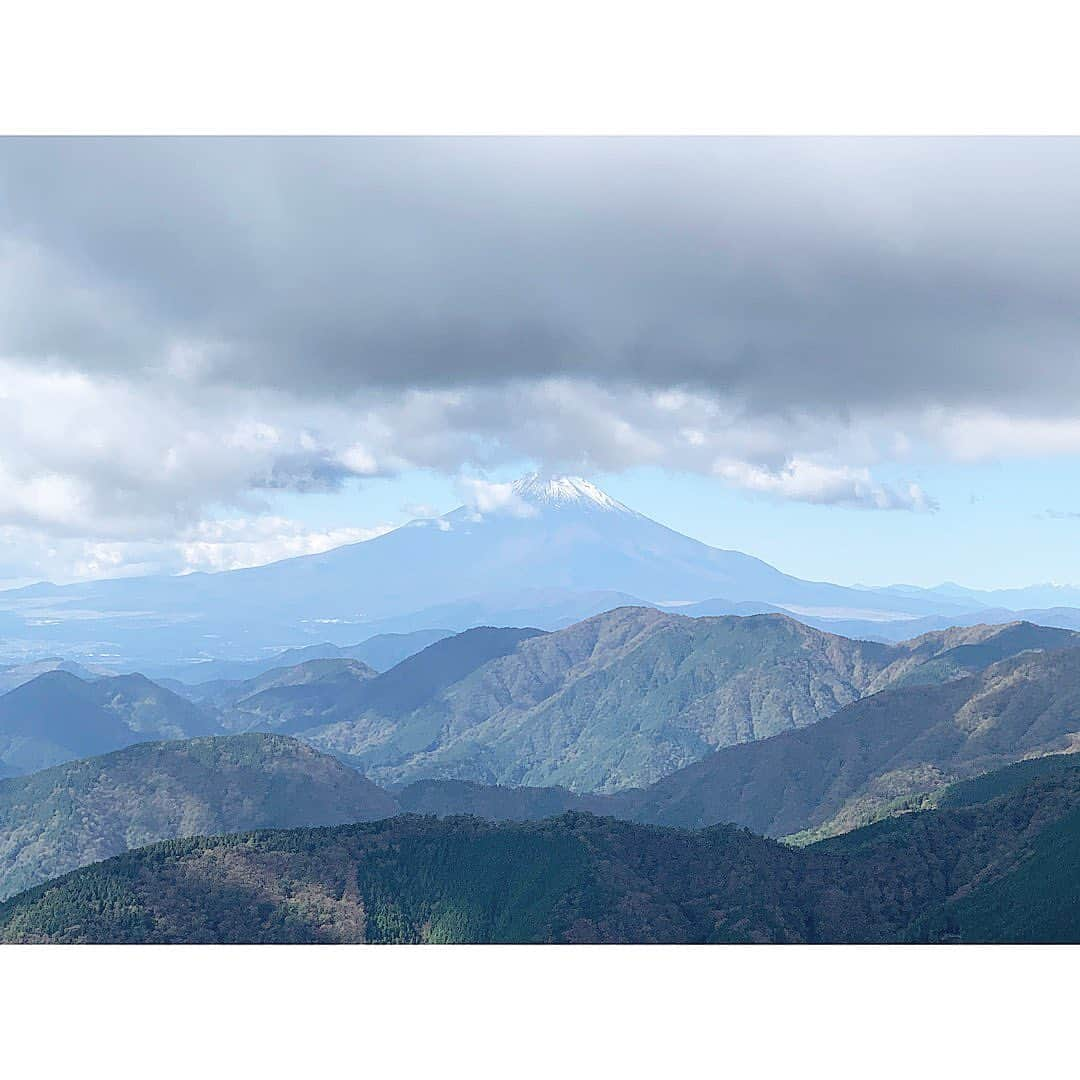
939,875
77,813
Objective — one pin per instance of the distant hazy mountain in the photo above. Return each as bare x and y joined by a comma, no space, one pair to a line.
558,534
57,717
1002,866
16,674
380,652
78,813
903,629
1026,598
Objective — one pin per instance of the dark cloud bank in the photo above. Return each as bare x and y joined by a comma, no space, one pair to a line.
826,275
191,324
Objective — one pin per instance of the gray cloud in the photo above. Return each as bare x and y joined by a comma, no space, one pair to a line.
831,275
301,472
187,324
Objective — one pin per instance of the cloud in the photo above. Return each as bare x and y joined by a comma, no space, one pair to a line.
996,435
832,274
189,326
420,510
235,543
806,481
486,497
207,545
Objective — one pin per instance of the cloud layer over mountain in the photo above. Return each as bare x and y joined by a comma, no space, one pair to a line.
187,324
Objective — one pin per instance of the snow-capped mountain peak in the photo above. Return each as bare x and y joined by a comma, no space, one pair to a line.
563,491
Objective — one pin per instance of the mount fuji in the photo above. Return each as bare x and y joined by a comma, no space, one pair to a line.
549,551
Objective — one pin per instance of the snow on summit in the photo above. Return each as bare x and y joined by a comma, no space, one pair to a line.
557,491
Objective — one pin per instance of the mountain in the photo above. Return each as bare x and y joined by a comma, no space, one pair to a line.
894,630
74,814
345,697
627,697
417,879
14,675
614,701
997,862
57,717
868,758
814,775
1004,866
1027,597
380,652
229,693
558,535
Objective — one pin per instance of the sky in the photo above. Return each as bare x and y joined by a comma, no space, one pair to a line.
854,358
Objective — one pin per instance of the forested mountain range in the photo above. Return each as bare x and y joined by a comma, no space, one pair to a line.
893,745
878,756
616,702
620,700
1000,861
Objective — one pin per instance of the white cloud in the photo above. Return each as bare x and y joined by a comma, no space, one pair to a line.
359,460
486,497
971,437
807,481
233,544
209,546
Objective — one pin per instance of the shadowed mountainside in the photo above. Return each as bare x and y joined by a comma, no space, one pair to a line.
925,876
58,716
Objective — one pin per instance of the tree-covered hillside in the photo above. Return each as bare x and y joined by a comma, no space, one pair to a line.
77,813
617,701
855,765
941,874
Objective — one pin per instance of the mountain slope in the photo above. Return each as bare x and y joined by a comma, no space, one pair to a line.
413,879
346,694
226,693
577,878
627,697
57,716
999,862
446,798
74,814
891,745
14,675
613,701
